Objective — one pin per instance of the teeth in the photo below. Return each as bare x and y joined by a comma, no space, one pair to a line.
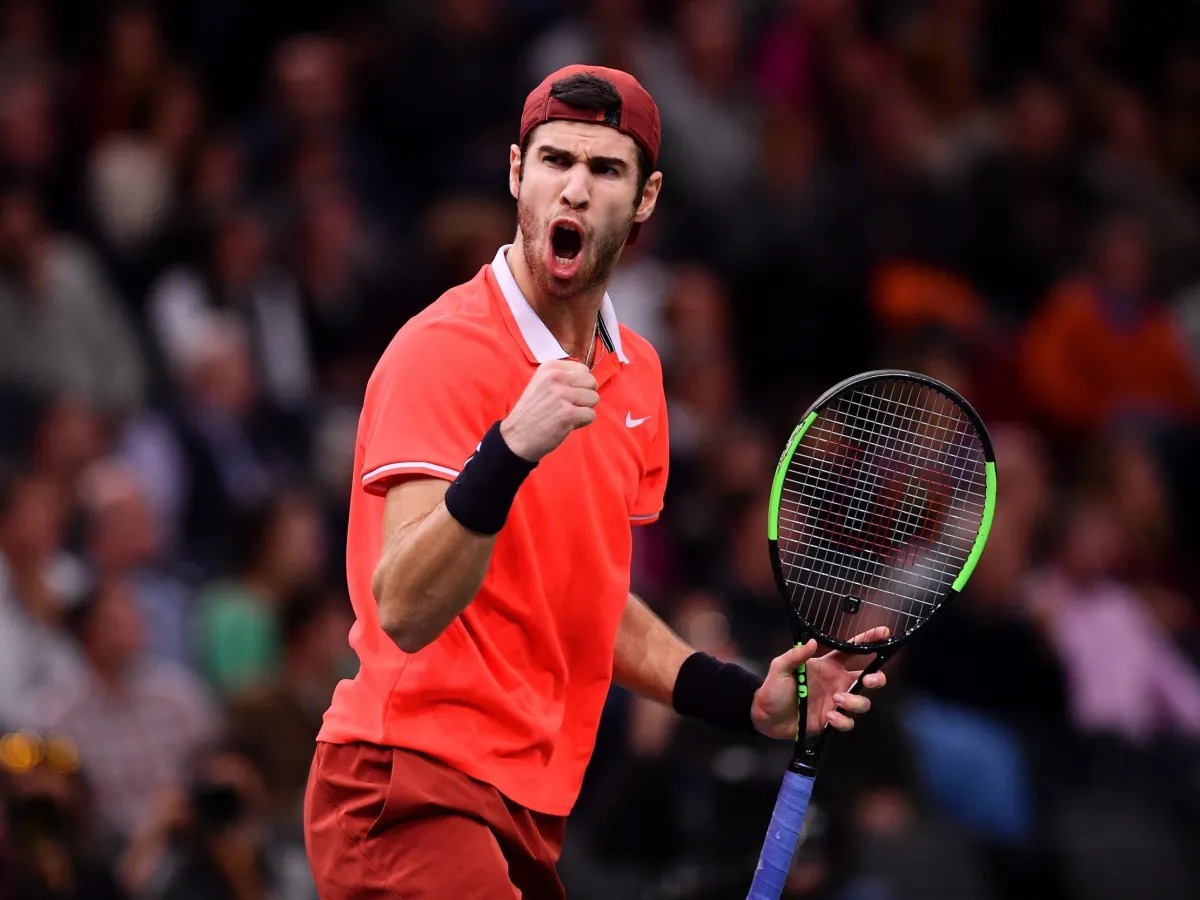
563,260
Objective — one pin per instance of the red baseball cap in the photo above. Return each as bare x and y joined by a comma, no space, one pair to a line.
638,116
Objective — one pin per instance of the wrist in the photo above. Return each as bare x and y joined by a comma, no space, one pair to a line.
722,694
760,718
514,443
482,495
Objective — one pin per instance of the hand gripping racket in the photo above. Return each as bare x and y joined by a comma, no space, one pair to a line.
879,511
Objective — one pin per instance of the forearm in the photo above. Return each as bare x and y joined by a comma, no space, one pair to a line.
438,540
429,573
648,654
653,662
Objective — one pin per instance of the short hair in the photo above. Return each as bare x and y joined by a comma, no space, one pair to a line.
594,93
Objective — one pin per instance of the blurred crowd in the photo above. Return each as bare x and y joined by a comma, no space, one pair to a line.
213,217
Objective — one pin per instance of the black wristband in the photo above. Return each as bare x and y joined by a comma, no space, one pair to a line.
716,692
483,493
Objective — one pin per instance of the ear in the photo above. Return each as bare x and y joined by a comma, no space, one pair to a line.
514,170
649,197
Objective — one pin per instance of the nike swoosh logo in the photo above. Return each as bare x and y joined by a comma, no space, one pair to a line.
631,422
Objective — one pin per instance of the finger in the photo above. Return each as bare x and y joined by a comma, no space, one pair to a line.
565,364
853,704
583,416
875,680
583,397
872,682
580,375
874,635
838,721
563,370
787,663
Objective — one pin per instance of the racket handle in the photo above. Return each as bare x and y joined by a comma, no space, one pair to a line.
782,837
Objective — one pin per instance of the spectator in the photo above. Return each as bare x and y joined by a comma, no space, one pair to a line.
237,619
280,718
1098,624
135,719
222,451
1027,198
35,580
123,545
1103,348
52,845
222,845
241,281
62,327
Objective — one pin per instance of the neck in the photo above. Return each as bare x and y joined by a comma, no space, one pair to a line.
571,319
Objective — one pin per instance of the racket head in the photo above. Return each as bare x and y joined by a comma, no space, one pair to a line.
880,507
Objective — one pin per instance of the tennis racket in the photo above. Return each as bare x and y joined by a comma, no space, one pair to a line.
879,510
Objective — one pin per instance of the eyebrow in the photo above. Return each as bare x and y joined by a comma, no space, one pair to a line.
615,162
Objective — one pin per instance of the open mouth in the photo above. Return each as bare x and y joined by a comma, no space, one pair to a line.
567,241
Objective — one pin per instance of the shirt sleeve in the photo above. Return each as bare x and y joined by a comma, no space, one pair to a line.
649,503
428,405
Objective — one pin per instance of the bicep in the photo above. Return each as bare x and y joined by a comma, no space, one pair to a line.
408,503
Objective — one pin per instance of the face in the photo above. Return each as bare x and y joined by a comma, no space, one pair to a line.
1123,257
114,635
33,529
1095,545
576,201
123,535
296,547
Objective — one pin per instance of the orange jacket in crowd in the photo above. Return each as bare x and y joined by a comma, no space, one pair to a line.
1084,361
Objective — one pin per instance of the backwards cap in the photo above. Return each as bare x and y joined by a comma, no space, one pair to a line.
638,116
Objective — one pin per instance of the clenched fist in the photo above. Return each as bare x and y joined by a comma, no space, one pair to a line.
559,398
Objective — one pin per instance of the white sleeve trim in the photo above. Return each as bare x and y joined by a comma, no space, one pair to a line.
377,473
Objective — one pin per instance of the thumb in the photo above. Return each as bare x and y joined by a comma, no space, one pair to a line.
787,663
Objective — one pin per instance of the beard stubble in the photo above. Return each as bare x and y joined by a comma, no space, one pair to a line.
606,251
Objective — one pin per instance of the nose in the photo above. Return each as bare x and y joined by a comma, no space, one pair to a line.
577,188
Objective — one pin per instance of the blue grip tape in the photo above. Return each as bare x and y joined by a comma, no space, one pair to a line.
782,837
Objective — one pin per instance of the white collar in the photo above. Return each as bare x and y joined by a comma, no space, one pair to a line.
542,343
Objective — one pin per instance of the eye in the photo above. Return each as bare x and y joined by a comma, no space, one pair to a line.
601,169
555,160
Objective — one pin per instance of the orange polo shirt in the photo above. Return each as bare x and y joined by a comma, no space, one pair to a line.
511,693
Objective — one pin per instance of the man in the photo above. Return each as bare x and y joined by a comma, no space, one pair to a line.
510,435
135,719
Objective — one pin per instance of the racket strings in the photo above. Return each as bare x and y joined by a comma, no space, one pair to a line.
880,508
862,564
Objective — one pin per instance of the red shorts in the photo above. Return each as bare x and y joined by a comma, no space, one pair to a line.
381,822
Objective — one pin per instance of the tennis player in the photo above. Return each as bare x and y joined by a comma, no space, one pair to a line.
510,436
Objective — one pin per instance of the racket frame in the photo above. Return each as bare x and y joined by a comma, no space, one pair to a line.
801,630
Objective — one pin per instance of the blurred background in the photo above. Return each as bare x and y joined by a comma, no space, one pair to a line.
213,217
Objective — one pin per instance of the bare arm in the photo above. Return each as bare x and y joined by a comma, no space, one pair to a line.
430,567
648,654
